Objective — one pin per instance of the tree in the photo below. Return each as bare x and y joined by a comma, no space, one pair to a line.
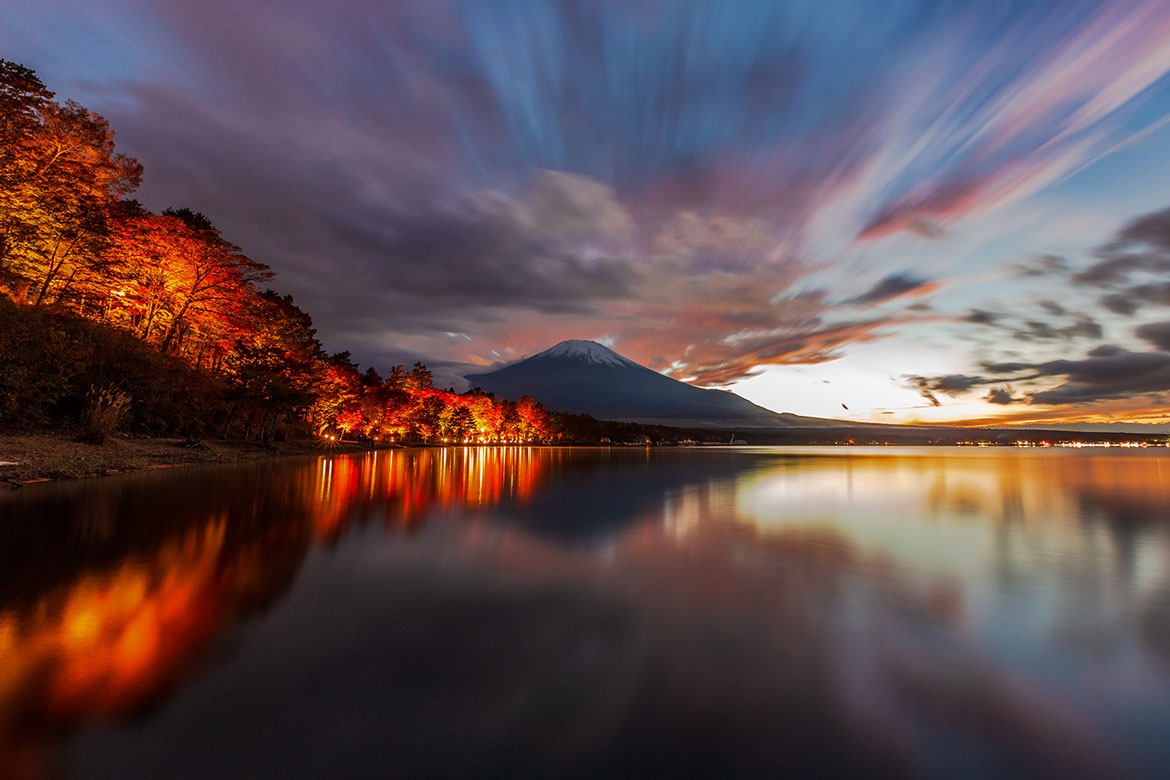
212,277
22,98
456,422
272,364
427,415
420,378
59,180
532,419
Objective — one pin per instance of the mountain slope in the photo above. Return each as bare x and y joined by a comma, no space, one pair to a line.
587,377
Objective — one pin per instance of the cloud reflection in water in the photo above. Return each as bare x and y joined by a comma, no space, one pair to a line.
587,611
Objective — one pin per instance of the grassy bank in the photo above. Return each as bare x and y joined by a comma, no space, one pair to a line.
56,457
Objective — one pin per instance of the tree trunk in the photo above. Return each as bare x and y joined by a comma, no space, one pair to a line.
228,422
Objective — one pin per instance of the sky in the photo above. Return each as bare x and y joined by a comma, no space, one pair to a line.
892,212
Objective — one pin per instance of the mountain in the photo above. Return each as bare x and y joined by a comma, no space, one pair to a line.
587,377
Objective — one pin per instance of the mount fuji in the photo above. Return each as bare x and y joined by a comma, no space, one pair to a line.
589,378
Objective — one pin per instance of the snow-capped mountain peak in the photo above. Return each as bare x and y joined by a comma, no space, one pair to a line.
585,377
585,352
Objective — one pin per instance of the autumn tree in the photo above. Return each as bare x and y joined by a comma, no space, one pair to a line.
532,419
212,278
419,378
59,179
272,365
487,414
456,421
22,98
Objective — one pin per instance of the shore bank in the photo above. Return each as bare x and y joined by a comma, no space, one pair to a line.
39,458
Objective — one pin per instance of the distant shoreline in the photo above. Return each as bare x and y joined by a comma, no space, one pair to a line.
37,458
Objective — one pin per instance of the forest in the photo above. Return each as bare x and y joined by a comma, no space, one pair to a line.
113,317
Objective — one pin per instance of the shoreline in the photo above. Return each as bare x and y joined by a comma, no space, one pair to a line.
46,458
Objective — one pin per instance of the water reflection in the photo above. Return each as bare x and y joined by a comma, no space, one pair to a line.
895,611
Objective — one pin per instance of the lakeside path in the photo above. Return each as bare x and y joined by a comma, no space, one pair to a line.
41,458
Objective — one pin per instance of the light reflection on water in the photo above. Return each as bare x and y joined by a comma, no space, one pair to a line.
894,611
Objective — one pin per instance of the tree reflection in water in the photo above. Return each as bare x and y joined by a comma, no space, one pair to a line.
587,611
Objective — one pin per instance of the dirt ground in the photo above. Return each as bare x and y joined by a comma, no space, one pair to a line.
52,457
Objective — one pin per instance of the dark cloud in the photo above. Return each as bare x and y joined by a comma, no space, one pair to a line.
1129,300
1043,265
1001,396
1120,303
1141,246
1083,326
953,384
982,317
1107,372
1097,379
1117,266
1152,230
922,385
1105,350
893,286
1157,294
1002,368
957,383
499,252
1157,333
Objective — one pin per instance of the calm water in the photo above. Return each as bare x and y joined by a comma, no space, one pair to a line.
518,612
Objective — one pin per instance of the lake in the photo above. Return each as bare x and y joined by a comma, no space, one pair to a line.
516,612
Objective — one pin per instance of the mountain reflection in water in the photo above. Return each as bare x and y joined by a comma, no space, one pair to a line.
519,611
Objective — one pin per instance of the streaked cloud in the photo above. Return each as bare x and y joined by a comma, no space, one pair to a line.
712,186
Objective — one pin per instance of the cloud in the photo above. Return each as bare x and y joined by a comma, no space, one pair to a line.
1120,303
547,250
1157,333
1130,299
1047,119
699,244
1141,246
1116,267
1043,265
817,342
982,317
1001,396
894,286
952,385
1083,326
1106,372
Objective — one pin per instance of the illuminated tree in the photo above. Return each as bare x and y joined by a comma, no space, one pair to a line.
271,366
487,413
336,388
59,179
419,378
456,421
212,278
532,419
